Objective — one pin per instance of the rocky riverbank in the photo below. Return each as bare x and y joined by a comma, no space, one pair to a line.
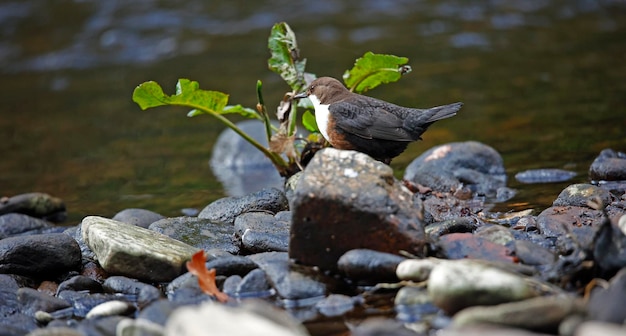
343,248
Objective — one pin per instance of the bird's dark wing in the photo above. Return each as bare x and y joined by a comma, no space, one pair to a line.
361,118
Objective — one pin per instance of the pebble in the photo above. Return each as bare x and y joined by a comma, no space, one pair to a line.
225,210
365,265
288,283
610,165
262,232
252,265
252,318
448,167
457,284
12,224
543,313
40,254
111,308
139,217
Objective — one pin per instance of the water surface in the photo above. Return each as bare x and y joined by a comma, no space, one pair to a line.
542,82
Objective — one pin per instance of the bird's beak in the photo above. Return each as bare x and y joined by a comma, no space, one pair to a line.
301,95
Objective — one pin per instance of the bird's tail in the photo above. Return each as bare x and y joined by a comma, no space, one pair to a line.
442,112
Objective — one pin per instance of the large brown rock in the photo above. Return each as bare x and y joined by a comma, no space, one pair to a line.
346,200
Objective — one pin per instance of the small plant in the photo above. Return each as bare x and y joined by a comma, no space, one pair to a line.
368,72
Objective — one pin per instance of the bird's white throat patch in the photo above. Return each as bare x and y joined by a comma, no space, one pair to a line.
321,116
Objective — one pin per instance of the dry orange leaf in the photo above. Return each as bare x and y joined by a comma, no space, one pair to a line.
206,278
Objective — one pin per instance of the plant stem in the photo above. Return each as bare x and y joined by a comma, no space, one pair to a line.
263,111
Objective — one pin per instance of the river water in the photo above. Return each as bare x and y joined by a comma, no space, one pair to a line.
542,82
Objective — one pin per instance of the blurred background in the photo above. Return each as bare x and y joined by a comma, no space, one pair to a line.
542,82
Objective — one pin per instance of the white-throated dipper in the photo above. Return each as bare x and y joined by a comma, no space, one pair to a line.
372,126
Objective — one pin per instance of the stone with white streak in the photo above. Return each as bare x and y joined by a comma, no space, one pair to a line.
133,251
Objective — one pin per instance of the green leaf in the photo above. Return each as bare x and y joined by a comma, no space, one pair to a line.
285,58
243,111
372,70
309,122
188,93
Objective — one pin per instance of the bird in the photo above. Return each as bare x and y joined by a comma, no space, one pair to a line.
380,129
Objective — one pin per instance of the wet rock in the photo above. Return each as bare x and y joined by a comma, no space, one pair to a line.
610,165
449,167
496,234
158,311
103,326
379,326
239,166
346,200
35,204
230,285
606,304
253,284
13,224
225,210
135,252
417,270
262,232
56,331
201,233
544,176
608,250
335,305
455,225
144,292
572,226
39,255
77,233
467,245
252,318
288,283
138,217
111,308
139,327
530,253
83,302
80,283
17,325
445,207
581,194
93,271
8,297
592,328
540,313
31,301
229,265
457,284
369,265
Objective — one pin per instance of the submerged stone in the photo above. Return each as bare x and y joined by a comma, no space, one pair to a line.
544,176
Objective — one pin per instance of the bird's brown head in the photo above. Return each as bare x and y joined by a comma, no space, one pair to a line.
326,89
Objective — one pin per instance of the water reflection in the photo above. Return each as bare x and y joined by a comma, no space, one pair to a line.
542,82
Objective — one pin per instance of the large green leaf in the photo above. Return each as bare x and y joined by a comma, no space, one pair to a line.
285,58
309,122
372,70
188,93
